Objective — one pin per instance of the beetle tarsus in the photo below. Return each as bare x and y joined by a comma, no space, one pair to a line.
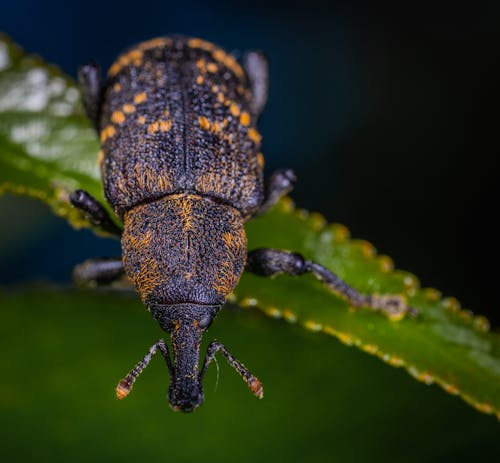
127,383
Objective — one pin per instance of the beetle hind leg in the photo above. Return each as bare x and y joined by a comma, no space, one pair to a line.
271,262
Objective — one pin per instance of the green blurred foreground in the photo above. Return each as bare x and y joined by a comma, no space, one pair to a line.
62,354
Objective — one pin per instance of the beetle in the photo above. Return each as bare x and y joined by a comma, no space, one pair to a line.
182,168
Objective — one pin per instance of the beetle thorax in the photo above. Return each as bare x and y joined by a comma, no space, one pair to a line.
184,248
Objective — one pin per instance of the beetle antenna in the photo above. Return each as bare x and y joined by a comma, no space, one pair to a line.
126,384
252,381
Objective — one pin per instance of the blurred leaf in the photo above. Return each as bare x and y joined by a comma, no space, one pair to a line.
62,354
48,147
48,150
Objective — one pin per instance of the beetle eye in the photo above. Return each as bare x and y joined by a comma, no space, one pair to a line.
206,321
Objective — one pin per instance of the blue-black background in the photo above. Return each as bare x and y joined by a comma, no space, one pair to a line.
384,113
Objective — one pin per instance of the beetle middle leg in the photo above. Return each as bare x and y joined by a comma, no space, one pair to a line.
95,211
270,262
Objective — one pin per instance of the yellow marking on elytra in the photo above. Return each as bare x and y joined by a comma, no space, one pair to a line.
140,98
227,60
254,135
245,119
220,97
100,157
141,120
212,67
201,63
117,87
204,122
160,126
153,127
133,57
234,109
199,43
107,132
214,127
199,80
165,125
155,43
260,160
215,88
118,117
128,108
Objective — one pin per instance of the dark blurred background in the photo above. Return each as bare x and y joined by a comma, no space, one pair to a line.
385,113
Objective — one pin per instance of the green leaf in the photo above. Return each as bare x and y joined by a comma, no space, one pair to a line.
48,147
62,354
48,150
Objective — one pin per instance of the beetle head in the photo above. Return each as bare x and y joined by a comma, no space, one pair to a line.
186,324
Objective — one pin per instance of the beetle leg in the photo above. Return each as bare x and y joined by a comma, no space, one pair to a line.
271,262
257,69
252,382
95,211
126,384
98,271
89,78
278,185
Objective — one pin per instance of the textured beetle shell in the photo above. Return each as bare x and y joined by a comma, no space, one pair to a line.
184,248
176,118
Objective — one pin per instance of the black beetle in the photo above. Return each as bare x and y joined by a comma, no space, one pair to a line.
182,168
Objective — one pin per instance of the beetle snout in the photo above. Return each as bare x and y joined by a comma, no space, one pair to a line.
185,401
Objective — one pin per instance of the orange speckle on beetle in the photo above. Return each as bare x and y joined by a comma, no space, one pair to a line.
141,120
245,119
254,135
212,67
118,117
140,98
199,80
117,87
234,109
260,160
128,108
107,132
204,122
165,126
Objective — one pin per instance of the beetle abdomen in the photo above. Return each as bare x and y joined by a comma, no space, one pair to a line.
176,118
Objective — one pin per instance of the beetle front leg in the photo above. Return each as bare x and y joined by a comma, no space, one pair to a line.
98,271
279,184
95,211
271,262
89,78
